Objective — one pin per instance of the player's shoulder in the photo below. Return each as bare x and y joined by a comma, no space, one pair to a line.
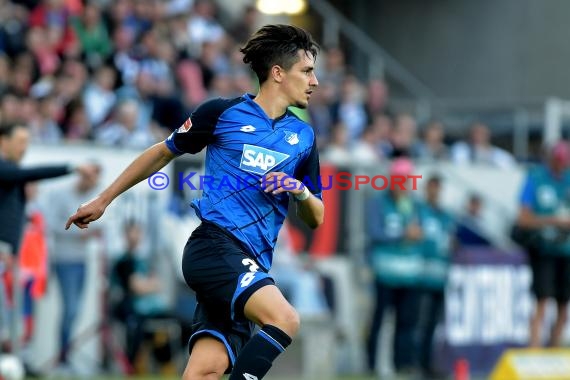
217,106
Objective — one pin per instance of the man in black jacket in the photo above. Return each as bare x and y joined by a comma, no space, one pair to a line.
13,178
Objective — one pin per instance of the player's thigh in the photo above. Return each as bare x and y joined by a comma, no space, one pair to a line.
208,360
267,305
217,268
222,274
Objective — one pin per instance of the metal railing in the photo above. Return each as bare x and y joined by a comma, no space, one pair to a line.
380,61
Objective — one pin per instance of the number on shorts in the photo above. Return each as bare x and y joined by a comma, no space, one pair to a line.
253,267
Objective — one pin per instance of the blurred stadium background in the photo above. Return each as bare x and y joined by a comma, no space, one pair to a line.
101,80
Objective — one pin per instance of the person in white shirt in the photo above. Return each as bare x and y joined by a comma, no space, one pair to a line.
364,151
67,253
121,130
98,96
479,150
432,147
336,152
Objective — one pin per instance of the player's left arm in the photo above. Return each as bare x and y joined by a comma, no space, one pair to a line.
306,188
311,211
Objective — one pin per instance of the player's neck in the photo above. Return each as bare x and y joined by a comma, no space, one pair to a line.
272,104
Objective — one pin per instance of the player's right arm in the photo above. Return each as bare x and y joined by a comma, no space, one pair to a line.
193,136
150,161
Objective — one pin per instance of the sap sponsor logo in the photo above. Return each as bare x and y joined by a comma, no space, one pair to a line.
259,160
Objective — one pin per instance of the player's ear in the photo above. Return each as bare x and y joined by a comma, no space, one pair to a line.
277,73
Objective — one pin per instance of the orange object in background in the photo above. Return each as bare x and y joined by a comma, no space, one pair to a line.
33,259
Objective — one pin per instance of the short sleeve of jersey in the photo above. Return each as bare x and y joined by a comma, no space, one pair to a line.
198,131
527,194
309,172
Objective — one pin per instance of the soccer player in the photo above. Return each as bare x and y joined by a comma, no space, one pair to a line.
227,257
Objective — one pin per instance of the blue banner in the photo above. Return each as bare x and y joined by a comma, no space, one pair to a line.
488,308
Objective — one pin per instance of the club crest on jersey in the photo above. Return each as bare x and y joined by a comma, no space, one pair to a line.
186,126
259,160
291,137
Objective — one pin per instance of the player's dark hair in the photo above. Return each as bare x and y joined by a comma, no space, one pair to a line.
276,45
7,129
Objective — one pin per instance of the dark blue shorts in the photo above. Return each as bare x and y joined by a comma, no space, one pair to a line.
215,265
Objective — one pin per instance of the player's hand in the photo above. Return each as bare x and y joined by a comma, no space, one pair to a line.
414,232
87,213
87,169
279,182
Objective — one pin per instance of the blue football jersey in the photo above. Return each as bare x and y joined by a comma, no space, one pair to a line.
243,145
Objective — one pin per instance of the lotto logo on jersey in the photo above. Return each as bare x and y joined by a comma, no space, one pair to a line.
259,160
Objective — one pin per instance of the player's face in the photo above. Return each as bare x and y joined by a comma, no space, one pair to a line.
300,80
14,146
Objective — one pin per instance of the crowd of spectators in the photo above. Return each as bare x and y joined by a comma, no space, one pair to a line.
126,73
121,73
